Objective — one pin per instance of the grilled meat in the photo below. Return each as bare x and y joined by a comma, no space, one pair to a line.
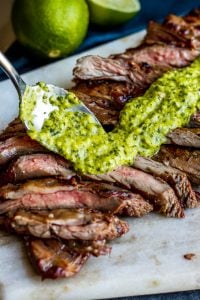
120,77
16,146
188,137
36,166
188,161
140,66
53,259
53,194
82,224
177,31
161,195
15,128
105,110
177,179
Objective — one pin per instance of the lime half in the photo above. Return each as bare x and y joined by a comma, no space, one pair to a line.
112,12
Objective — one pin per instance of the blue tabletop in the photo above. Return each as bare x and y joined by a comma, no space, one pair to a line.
152,9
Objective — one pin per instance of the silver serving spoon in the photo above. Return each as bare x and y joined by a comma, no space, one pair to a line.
21,86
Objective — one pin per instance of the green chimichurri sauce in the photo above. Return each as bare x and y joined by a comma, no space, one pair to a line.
142,128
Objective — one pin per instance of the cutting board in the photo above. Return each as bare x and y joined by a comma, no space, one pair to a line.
149,259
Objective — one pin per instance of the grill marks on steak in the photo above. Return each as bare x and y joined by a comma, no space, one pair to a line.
52,194
156,190
36,166
177,179
54,259
188,161
83,224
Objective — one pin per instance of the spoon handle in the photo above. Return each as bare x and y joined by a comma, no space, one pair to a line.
7,67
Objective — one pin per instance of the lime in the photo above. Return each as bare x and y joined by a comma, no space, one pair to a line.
112,12
50,28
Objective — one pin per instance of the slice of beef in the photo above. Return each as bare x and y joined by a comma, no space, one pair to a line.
96,67
104,109
175,43
128,67
177,179
15,128
176,31
82,224
117,93
183,159
36,166
53,194
188,137
156,190
53,259
16,146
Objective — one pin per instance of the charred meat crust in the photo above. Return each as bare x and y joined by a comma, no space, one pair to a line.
186,160
156,190
175,178
53,259
83,224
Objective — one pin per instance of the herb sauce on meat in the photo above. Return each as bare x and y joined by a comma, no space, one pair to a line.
142,128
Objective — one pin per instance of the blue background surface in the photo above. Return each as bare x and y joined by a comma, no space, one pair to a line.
151,9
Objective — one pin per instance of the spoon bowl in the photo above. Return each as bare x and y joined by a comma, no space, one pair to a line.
42,110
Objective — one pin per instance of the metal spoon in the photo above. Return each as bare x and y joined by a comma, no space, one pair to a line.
20,86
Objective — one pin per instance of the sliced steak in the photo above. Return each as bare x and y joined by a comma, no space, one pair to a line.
82,224
156,190
15,128
177,31
36,166
16,146
104,109
140,66
117,93
177,179
53,194
120,77
185,160
187,137
53,259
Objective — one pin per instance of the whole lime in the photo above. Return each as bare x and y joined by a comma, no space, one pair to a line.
50,28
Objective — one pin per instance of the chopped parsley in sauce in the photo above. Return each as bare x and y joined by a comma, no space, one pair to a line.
143,125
